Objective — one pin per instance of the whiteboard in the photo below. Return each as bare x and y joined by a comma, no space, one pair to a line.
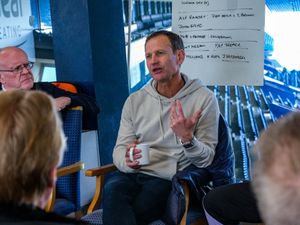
224,40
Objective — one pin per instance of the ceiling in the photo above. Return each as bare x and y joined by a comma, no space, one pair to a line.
283,5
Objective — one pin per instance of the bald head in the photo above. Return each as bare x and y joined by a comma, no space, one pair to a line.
10,59
9,55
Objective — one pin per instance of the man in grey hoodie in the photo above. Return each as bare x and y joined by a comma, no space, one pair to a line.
177,117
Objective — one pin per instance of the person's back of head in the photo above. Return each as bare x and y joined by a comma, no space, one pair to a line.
31,147
276,181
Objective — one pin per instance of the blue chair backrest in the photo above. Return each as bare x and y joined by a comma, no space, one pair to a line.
68,187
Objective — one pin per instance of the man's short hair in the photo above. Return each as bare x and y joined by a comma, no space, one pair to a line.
31,144
276,179
175,39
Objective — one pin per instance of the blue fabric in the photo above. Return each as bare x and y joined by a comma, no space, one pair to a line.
68,187
220,172
63,206
95,218
222,168
195,177
131,199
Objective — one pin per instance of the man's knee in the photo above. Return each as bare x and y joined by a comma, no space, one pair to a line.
110,187
210,200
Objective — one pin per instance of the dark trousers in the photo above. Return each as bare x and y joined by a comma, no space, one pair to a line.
134,199
231,204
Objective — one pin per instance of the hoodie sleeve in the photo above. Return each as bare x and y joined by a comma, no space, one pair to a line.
206,134
126,136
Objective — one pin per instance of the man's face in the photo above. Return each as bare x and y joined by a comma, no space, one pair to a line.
162,62
22,78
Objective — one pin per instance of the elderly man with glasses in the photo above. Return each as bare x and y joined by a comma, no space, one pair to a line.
15,73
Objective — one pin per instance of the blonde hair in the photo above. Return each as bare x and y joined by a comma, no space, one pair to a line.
276,179
31,144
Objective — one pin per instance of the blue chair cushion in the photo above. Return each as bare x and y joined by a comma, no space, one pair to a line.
68,187
63,207
95,218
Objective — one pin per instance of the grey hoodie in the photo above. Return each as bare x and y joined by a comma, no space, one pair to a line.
146,117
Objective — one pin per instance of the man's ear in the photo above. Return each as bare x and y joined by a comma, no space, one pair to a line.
2,80
180,56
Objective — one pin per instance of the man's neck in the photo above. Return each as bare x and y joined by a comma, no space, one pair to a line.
170,88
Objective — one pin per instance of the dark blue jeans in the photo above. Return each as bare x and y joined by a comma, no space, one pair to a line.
134,199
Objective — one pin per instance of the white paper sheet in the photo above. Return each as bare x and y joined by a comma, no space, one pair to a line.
224,40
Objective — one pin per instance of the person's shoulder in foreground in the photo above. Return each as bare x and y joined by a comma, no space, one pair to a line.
273,196
27,214
32,144
276,177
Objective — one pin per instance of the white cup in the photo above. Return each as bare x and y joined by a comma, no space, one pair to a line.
145,159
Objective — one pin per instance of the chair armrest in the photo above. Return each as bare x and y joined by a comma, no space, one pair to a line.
76,108
102,170
63,171
73,168
99,173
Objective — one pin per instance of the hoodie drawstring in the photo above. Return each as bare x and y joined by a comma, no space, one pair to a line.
160,118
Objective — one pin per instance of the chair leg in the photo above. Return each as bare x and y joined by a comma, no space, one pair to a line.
79,214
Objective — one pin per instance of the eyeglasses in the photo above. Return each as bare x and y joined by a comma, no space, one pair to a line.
20,68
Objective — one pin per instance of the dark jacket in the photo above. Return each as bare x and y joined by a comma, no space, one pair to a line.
220,172
25,214
90,108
